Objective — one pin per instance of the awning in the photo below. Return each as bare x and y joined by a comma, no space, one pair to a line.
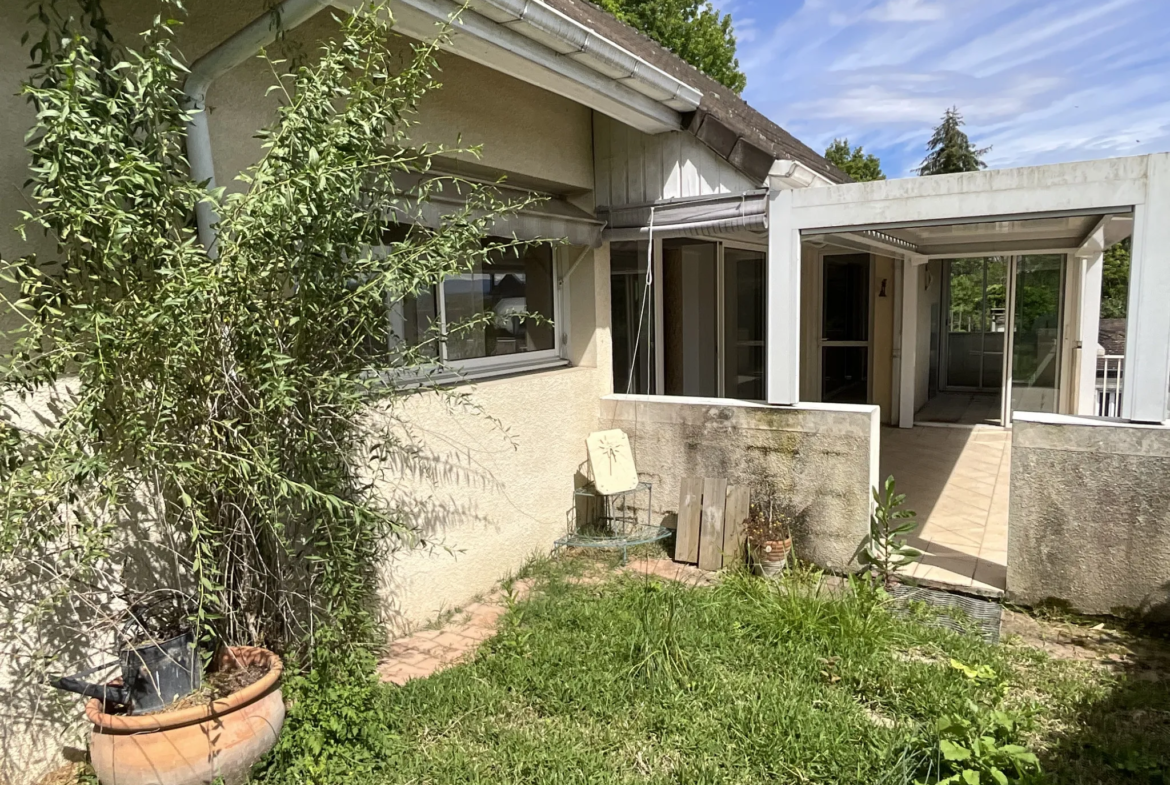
700,215
554,218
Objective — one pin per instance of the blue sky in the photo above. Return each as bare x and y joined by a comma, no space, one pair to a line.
1040,82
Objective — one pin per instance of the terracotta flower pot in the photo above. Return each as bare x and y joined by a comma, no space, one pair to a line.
192,746
771,556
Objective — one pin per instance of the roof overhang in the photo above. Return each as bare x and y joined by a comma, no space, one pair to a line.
1053,208
539,45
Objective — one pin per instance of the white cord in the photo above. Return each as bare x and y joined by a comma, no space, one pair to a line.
642,309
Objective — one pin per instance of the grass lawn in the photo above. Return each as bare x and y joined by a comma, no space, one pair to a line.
624,679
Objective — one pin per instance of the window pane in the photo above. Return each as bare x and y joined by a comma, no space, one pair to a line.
632,309
517,281
414,320
846,376
846,298
743,331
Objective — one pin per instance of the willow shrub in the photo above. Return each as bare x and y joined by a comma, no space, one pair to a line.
229,394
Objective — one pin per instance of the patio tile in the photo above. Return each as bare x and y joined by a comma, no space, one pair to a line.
941,575
957,479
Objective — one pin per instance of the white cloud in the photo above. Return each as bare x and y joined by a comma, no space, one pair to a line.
907,11
1040,80
1041,26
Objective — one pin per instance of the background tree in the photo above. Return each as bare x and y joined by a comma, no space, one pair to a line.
692,29
854,161
949,149
1115,281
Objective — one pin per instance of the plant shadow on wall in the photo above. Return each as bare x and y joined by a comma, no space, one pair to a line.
213,436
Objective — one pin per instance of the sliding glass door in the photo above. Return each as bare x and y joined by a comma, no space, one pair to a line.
698,329
1036,333
976,321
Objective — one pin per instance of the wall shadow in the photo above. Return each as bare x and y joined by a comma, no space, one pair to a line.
1122,736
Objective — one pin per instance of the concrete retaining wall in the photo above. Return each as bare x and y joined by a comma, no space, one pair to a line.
820,458
1090,515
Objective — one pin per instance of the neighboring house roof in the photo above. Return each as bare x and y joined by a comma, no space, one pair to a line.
748,140
1111,335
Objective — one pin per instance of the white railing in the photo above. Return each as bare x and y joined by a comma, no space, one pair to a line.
1110,378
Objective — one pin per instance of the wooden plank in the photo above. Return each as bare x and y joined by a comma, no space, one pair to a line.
711,529
739,503
686,536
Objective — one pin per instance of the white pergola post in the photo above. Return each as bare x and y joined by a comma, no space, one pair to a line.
908,367
783,302
1089,322
1147,338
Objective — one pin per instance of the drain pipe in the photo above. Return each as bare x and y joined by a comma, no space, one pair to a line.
245,44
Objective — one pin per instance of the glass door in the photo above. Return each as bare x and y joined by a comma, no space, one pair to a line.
744,319
976,324
1036,333
845,328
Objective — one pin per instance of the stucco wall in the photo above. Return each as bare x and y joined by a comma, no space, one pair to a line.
821,458
1090,514
504,478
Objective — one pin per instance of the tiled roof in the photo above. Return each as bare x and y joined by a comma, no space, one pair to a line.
724,121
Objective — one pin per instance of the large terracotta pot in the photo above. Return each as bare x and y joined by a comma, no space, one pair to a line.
192,746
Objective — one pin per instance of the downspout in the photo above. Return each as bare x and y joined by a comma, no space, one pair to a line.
245,44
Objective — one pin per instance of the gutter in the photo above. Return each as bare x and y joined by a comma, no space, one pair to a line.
787,175
242,46
538,21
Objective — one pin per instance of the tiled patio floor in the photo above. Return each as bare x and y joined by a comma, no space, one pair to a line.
956,479
962,408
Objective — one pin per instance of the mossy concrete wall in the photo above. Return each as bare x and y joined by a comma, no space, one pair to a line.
820,459
1089,521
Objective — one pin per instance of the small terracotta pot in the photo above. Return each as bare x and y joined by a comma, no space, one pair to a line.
771,556
192,746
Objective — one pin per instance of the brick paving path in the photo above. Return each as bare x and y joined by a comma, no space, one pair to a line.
419,655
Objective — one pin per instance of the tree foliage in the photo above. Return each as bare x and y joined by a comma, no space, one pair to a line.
1115,281
238,402
863,167
692,29
949,150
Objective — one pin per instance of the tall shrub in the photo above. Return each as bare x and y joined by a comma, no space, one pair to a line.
247,400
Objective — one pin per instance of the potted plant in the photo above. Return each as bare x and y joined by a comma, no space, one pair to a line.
215,734
769,539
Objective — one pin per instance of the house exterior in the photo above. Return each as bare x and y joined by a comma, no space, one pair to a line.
726,297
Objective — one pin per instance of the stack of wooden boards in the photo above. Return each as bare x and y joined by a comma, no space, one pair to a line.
712,520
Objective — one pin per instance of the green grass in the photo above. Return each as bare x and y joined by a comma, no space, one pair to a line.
634,680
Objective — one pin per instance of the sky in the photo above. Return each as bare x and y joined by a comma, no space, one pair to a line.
1039,82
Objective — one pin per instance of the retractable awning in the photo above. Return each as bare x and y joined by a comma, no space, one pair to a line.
700,215
553,218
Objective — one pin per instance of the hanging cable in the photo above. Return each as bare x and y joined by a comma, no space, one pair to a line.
642,309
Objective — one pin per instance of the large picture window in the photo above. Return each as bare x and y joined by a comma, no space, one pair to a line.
501,313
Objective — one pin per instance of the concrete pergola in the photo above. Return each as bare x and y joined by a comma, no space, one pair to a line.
1137,186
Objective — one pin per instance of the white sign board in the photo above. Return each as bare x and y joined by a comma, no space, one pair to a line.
611,462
